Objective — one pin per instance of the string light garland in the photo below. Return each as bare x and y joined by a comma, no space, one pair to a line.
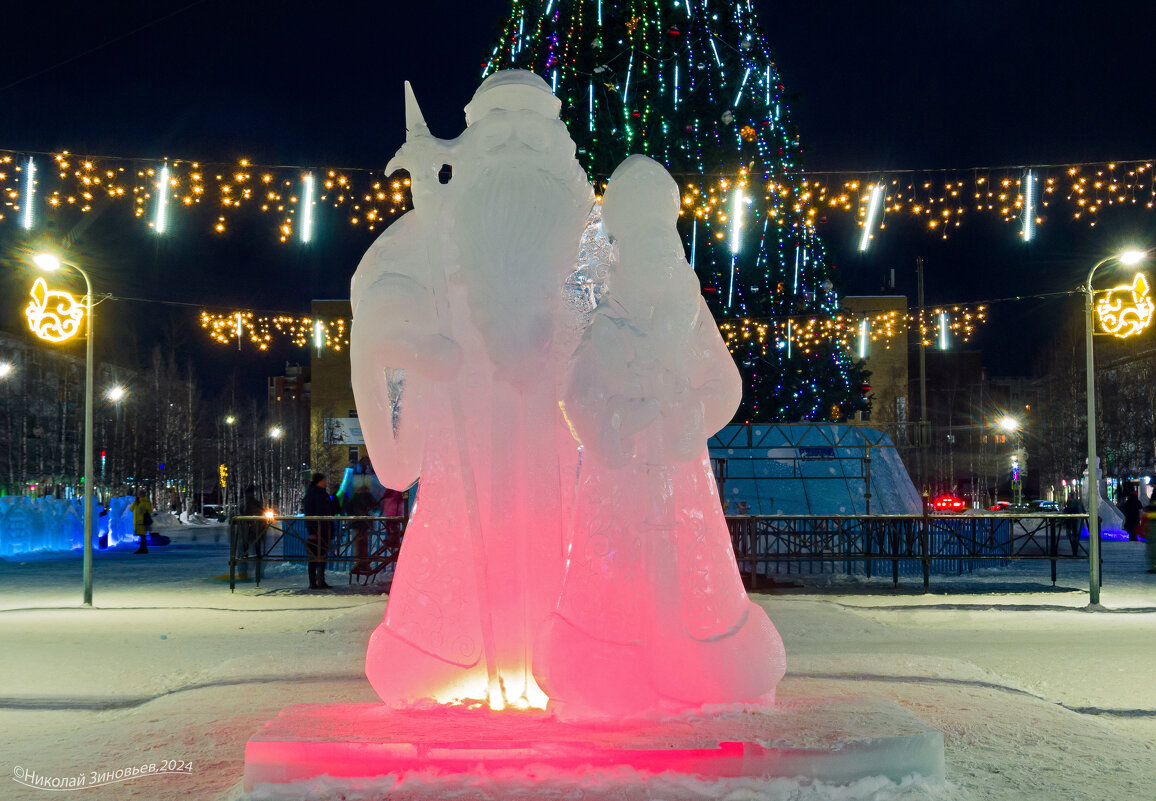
854,332
266,331
289,196
364,198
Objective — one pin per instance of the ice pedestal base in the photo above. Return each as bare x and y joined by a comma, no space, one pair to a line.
317,750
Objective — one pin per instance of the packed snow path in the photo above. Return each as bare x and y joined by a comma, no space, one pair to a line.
1038,698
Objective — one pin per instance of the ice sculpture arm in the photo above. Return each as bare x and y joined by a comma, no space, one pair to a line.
397,350
606,401
701,393
395,319
713,374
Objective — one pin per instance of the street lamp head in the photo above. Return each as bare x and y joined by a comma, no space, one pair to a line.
275,432
116,393
1008,424
5,369
46,262
230,420
1130,258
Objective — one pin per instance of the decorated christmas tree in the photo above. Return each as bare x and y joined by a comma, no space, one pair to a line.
693,85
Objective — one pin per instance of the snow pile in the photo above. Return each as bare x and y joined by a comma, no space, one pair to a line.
542,783
1038,698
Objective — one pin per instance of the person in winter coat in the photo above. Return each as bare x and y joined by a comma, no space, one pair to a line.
361,505
142,518
1148,532
1132,509
318,503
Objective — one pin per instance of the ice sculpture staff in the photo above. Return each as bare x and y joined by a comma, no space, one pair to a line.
653,614
457,378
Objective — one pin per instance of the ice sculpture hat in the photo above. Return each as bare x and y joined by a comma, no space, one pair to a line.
513,90
415,124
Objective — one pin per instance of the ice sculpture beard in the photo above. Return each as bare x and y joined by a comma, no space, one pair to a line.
524,196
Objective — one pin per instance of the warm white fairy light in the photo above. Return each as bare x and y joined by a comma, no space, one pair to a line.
737,220
1029,207
742,86
162,200
307,209
28,217
872,212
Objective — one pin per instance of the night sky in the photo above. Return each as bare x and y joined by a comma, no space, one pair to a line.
320,84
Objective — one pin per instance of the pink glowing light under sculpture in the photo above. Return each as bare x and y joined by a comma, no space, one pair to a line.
546,365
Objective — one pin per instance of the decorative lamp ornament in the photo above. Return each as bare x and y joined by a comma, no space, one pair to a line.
1126,310
53,315
748,133
727,117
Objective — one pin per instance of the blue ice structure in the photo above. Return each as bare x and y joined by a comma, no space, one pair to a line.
28,525
811,469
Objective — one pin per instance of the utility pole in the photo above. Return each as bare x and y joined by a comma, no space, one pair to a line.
923,427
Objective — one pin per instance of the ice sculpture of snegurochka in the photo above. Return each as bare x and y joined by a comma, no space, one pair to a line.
568,544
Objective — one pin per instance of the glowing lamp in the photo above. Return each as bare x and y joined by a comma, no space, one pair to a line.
1008,424
115,393
270,514
46,262
5,369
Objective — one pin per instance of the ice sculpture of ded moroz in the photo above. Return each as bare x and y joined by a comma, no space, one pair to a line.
568,543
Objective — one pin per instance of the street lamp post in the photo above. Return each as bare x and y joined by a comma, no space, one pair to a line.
50,263
10,471
276,479
1012,427
1128,258
116,394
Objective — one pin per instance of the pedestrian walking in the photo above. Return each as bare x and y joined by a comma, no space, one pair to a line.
142,519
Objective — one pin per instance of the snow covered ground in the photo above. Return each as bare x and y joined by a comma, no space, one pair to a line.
1038,697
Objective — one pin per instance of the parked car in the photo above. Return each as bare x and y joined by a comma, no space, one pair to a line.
1036,507
948,505
219,511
